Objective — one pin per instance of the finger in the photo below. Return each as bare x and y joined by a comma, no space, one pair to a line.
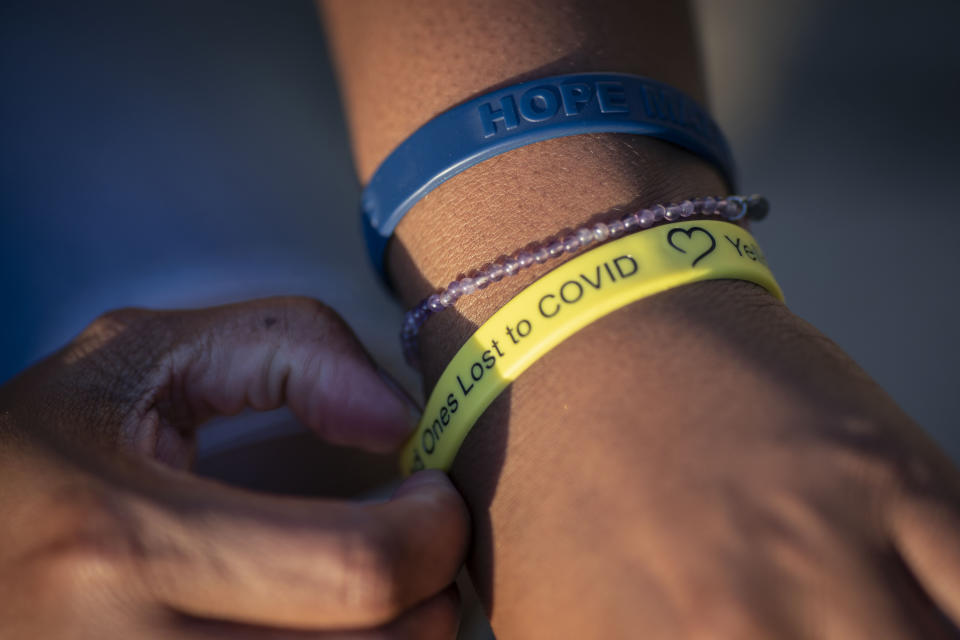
861,590
435,619
215,552
270,352
927,534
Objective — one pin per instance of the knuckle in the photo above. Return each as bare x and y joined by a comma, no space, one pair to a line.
93,541
864,450
112,323
117,338
315,315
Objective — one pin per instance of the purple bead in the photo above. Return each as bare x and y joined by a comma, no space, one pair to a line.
525,259
571,243
709,206
541,255
585,236
672,213
481,280
495,272
721,207
446,299
631,222
601,232
659,213
616,228
434,304
510,266
646,219
467,286
687,209
555,248
732,209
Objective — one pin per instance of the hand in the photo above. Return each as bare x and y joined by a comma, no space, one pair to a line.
104,535
739,478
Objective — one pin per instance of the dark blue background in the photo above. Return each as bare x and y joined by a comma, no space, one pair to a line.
184,152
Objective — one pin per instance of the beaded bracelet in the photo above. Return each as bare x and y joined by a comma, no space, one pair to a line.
557,306
731,208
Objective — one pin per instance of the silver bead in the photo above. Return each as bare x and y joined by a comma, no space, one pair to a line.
571,243
555,248
616,228
600,232
525,259
510,266
585,236
541,255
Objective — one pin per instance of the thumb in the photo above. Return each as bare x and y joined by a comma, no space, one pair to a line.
213,551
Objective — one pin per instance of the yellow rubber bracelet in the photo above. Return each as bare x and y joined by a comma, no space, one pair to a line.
561,303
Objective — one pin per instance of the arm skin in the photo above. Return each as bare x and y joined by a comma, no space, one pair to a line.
699,464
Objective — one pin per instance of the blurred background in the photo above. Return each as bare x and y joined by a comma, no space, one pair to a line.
175,153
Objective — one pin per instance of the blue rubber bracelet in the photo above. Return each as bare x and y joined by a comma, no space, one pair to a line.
523,114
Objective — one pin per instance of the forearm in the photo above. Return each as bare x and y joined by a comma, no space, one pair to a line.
401,63
550,470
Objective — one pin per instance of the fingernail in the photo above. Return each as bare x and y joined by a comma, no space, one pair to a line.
413,409
422,480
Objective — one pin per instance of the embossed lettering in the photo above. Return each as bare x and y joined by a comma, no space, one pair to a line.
539,104
507,114
574,95
612,97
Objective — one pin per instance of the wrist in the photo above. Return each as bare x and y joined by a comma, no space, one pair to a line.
521,197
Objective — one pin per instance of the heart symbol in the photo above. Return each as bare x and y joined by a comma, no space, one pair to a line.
689,233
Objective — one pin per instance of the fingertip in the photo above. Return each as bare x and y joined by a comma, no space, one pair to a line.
356,404
445,504
428,480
